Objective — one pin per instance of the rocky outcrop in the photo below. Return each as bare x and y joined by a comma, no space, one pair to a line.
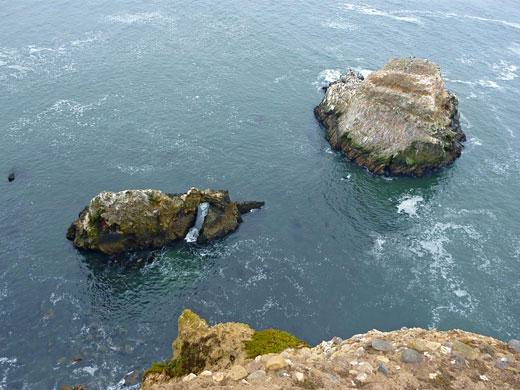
398,121
403,359
138,219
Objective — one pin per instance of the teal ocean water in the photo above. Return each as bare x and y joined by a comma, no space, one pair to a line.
112,95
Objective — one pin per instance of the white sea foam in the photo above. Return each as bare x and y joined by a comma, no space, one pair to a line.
339,25
409,205
506,70
89,370
141,17
365,72
504,22
377,12
460,293
515,48
326,77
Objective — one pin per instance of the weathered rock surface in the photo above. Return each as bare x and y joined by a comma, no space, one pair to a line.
204,347
399,121
338,366
138,219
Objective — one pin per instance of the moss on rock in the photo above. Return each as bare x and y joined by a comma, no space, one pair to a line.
271,341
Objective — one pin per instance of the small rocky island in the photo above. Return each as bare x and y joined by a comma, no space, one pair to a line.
234,356
398,121
139,219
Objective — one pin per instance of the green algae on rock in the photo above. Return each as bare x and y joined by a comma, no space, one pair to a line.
399,121
138,219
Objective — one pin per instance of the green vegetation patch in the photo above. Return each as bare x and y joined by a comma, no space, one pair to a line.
156,368
271,341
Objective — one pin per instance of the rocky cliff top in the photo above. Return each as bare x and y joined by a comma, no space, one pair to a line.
403,359
400,120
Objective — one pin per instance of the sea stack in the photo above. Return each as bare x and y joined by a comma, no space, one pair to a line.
139,219
400,120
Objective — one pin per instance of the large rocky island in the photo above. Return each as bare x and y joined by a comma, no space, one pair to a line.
400,120
137,219
234,356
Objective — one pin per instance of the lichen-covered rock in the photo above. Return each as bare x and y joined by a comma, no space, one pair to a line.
136,219
399,121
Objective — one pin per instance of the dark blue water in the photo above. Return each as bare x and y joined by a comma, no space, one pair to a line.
101,95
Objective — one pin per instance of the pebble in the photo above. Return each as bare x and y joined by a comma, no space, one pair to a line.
508,359
486,348
254,366
487,357
360,351
484,378
283,374
332,377
257,374
411,356
465,350
382,359
245,382
364,367
418,345
189,377
500,364
382,369
433,345
445,350
206,373
299,377
515,344
433,375
276,363
362,377
381,345
459,361
237,373
218,377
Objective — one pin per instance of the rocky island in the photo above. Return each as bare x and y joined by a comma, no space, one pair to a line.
400,120
232,355
138,219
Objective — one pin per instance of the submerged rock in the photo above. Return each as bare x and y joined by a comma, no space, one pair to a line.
11,177
137,219
399,121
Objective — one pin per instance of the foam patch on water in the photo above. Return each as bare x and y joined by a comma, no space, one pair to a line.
408,205
504,22
139,18
376,12
506,70
338,25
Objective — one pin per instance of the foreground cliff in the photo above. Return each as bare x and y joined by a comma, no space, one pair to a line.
232,355
399,121
138,219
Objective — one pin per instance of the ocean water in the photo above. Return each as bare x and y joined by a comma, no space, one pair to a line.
112,95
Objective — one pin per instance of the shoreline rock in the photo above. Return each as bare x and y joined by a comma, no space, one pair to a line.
140,219
401,359
398,121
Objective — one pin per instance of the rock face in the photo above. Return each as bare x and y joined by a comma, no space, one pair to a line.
399,121
137,219
371,361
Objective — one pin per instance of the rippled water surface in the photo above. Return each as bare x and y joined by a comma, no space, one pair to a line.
111,95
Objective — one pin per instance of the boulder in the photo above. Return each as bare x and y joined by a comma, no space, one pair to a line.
138,219
200,347
398,121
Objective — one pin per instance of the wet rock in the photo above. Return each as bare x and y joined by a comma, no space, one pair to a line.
11,177
77,359
486,348
138,219
515,344
410,356
465,350
237,373
132,378
381,345
398,121
129,348
246,207
257,374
